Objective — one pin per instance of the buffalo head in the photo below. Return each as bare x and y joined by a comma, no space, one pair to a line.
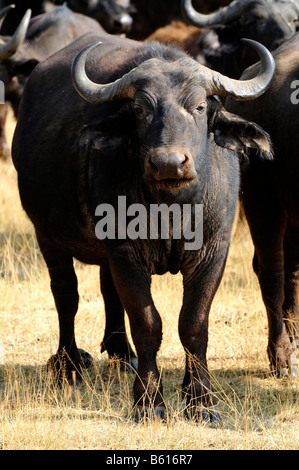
266,21
174,112
113,15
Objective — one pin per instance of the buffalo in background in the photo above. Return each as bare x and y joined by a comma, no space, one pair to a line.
269,22
113,15
32,42
270,196
150,15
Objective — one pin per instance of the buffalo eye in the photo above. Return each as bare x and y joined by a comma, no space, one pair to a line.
138,110
142,112
199,110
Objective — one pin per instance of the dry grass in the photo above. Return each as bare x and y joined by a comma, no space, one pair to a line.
259,412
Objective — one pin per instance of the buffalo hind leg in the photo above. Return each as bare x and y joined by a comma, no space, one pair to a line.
267,221
291,292
4,148
268,264
115,340
199,290
68,358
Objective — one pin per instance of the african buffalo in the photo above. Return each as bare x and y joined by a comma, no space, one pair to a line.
266,21
150,15
271,201
146,129
37,38
113,15
32,42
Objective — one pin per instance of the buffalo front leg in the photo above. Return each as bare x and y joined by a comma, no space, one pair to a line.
68,358
199,290
133,286
115,340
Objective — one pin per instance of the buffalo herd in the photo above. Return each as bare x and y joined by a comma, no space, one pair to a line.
140,125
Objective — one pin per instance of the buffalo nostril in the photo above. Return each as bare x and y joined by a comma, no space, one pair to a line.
154,167
172,165
183,164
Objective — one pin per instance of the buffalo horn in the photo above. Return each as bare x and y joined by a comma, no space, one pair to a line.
245,89
11,46
214,82
4,11
221,16
94,92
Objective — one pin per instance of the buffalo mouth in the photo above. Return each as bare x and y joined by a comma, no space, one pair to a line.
170,184
169,170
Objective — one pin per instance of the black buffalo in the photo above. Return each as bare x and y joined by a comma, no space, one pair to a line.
267,21
36,39
146,128
150,15
32,42
111,14
271,201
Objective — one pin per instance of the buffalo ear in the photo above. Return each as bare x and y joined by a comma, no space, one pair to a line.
25,68
107,134
244,137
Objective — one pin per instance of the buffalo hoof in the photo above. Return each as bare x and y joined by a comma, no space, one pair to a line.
86,358
290,370
64,368
204,414
149,413
285,373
